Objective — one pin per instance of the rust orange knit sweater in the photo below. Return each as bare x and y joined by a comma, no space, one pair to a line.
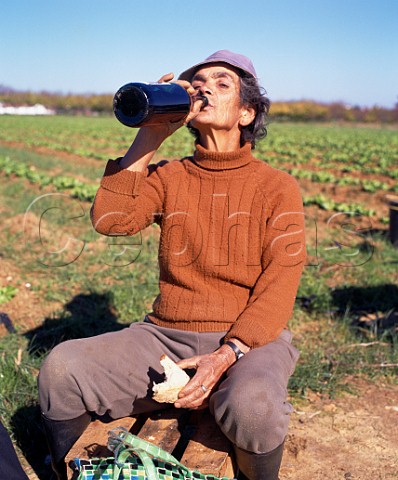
232,245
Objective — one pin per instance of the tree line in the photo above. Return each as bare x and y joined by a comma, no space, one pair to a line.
101,104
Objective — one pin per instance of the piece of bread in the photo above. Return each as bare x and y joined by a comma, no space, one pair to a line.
176,379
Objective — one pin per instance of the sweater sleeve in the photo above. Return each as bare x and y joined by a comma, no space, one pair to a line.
272,298
127,202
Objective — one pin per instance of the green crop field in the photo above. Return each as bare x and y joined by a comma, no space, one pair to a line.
59,279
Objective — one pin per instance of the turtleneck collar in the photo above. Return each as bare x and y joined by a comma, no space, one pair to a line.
222,160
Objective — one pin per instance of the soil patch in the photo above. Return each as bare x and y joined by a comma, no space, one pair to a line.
26,309
351,437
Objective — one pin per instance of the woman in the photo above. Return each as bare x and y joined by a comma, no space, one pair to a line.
231,254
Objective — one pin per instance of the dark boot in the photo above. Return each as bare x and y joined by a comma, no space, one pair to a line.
259,466
61,435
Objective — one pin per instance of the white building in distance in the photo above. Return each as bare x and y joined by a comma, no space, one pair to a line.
26,110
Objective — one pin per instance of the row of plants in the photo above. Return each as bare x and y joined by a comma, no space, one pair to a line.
91,138
332,206
86,192
76,188
336,148
367,185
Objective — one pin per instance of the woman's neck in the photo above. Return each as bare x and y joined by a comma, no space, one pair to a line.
220,141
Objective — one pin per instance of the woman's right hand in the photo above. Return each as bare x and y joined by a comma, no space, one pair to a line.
171,127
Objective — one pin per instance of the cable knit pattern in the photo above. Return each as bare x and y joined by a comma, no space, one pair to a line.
232,244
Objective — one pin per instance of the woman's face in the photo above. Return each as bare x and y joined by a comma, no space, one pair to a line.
221,85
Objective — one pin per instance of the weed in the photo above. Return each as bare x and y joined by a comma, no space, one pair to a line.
7,293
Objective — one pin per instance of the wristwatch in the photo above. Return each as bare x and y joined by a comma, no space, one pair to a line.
238,352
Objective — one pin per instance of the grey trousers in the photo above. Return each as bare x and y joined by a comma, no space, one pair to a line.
113,374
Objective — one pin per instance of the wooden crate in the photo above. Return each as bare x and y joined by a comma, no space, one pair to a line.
191,436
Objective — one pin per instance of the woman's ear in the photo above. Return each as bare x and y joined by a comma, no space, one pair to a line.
247,115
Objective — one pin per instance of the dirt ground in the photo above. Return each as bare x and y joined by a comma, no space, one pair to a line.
351,437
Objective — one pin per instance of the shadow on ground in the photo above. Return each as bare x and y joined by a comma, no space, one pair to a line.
29,435
374,308
85,315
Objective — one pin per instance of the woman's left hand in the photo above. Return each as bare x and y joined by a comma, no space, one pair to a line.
209,370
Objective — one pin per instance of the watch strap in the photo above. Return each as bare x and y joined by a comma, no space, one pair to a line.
238,352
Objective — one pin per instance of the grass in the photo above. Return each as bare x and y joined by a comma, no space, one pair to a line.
52,164
343,321
18,400
99,284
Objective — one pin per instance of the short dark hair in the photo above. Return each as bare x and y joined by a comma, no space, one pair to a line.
254,96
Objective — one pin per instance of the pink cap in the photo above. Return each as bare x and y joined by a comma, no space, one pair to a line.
235,59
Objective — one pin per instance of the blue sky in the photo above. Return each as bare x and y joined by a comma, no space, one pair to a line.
327,50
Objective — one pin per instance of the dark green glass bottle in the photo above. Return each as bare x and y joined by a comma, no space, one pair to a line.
142,104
